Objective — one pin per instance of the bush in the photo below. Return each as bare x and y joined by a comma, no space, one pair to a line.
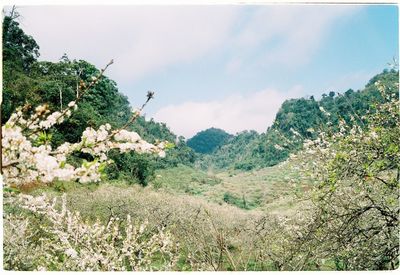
47,236
132,168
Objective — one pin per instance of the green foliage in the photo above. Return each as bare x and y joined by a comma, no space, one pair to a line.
357,200
240,202
236,151
141,171
185,179
178,153
209,140
300,115
20,50
28,82
297,120
43,138
246,166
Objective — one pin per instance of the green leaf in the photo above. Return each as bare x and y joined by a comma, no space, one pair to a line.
169,145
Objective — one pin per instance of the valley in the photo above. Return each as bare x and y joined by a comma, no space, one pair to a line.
91,183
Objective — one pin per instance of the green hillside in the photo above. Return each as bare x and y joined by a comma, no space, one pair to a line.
208,141
297,120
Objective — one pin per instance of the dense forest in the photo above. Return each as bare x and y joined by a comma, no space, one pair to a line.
99,187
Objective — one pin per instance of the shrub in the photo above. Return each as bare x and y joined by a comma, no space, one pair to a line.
47,236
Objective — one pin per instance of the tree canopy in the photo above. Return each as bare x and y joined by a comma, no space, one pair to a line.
208,140
297,120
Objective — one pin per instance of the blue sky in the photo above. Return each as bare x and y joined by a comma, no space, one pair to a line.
222,66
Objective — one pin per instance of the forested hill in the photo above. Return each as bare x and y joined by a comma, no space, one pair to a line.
208,141
296,120
28,82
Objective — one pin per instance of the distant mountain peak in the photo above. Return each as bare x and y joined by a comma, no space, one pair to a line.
208,140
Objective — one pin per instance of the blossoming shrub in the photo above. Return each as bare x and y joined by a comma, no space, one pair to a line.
27,158
211,236
50,237
355,222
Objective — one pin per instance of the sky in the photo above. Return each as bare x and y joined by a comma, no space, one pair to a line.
224,66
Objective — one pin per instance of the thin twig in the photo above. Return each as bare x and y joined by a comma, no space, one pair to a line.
79,97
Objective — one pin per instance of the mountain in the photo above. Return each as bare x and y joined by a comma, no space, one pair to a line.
297,120
207,141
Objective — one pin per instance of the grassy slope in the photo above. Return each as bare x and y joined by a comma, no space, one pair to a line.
191,204
272,189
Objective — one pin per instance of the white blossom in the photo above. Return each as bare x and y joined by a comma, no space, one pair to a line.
87,246
24,163
70,252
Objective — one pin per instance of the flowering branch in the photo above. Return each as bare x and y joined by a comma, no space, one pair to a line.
136,114
28,157
65,241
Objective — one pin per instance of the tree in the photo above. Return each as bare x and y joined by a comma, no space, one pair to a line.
19,49
355,222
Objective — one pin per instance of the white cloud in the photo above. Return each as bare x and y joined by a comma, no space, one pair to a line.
147,39
233,66
289,35
141,39
255,111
